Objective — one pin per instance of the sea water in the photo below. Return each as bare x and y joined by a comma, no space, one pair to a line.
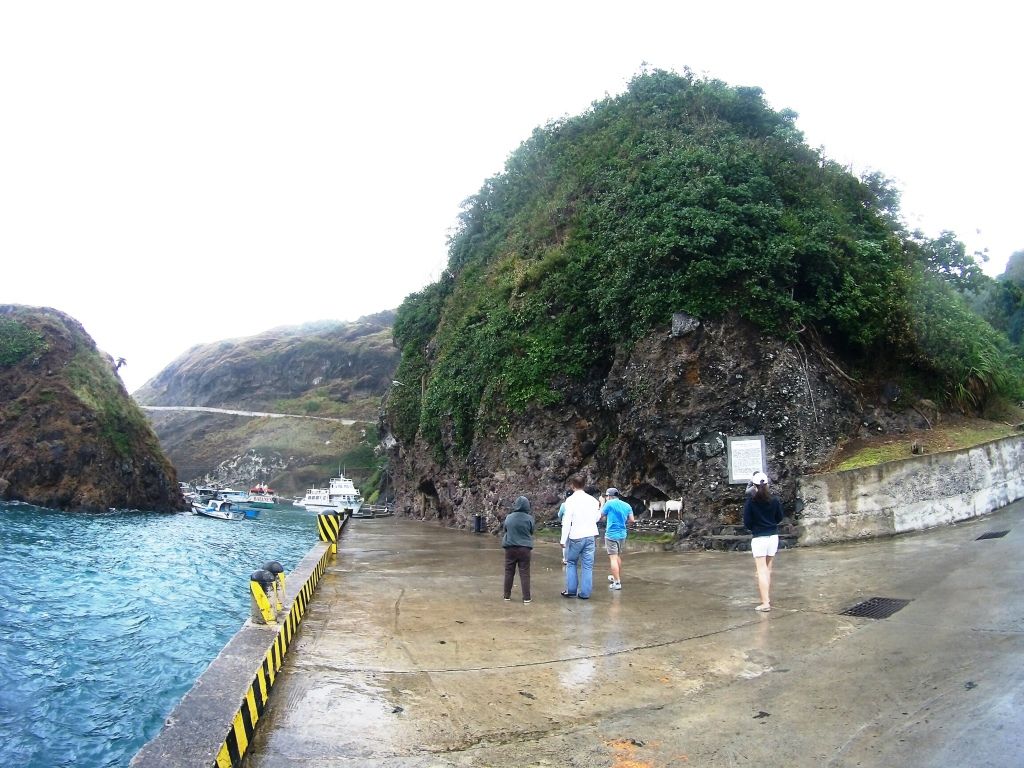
109,619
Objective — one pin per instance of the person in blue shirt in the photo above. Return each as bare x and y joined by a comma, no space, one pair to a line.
561,508
619,515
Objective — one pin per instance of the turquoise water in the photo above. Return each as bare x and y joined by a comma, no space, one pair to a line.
111,618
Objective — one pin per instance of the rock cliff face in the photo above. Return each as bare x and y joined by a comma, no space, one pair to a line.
656,426
70,436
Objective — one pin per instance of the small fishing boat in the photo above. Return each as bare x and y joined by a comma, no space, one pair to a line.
219,509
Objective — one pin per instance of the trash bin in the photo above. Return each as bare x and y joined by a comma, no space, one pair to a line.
478,523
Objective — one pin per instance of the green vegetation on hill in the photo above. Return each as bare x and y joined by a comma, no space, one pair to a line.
72,438
94,383
1001,301
18,342
681,194
88,375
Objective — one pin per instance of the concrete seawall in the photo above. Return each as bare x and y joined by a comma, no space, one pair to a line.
215,721
911,495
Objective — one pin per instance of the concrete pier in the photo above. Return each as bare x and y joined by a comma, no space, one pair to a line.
408,657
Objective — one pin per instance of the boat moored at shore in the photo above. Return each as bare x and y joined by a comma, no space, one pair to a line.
262,495
340,496
219,509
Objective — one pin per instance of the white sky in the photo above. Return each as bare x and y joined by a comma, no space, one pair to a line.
177,173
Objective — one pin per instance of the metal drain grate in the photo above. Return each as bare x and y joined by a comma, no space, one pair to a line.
992,535
876,608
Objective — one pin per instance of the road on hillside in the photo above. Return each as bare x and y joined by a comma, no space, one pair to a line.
254,414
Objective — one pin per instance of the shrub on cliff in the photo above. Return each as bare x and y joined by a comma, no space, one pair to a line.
18,341
681,194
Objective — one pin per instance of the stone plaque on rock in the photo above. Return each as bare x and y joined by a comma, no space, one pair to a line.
746,456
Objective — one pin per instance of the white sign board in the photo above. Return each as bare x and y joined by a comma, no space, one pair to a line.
746,456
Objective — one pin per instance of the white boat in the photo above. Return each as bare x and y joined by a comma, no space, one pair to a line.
219,509
318,500
341,496
344,492
262,495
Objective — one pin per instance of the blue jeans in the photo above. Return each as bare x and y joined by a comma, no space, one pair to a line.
579,551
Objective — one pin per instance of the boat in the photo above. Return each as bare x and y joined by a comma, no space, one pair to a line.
340,496
262,496
203,493
318,500
219,509
344,492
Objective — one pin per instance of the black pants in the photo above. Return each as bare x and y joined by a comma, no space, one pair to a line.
517,556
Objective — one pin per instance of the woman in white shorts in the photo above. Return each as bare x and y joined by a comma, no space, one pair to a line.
762,513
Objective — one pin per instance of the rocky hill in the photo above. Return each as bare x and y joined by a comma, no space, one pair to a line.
70,436
330,376
327,369
669,269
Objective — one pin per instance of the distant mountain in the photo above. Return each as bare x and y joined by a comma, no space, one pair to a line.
332,373
70,436
324,368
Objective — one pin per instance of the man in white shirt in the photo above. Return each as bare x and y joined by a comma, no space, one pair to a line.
579,527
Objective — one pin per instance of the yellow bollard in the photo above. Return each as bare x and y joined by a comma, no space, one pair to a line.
260,584
276,570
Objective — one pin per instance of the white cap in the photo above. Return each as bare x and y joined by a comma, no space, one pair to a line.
759,478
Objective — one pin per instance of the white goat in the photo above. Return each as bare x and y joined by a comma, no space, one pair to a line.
674,505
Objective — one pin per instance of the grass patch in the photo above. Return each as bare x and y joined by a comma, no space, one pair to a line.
954,436
93,382
322,403
17,341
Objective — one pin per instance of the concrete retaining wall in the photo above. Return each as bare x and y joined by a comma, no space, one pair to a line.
912,494
215,721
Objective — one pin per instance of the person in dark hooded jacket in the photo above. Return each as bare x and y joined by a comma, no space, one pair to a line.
518,545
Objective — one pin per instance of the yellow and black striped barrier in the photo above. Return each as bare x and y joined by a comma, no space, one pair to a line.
215,721
329,528
244,726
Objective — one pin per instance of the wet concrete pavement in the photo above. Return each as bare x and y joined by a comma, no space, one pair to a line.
408,657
